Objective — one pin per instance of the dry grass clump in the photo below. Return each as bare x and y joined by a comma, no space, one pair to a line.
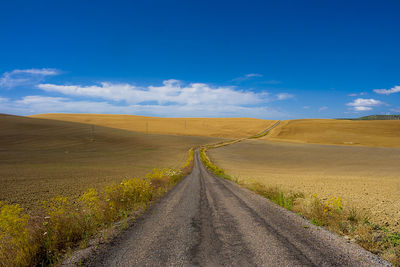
64,224
351,223
276,195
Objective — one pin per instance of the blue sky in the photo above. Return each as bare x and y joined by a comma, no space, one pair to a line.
264,59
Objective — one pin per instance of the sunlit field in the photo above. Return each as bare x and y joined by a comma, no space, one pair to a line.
365,177
380,133
215,127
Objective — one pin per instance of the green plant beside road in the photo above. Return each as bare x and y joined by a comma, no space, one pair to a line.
26,241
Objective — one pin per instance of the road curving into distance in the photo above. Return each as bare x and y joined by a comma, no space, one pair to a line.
208,221
266,130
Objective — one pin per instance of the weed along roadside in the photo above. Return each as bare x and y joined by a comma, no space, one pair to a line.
351,223
65,225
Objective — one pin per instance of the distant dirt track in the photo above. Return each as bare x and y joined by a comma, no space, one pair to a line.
208,221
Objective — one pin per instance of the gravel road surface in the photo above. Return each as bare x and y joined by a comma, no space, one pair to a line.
209,221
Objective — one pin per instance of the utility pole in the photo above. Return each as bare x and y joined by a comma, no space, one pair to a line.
92,133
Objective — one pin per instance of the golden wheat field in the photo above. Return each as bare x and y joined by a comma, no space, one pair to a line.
381,133
41,158
215,127
365,177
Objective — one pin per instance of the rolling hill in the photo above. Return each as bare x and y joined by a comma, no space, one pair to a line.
215,127
379,133
42,158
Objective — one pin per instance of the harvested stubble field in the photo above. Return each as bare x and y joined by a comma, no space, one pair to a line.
41,158
379,133
215,127
365,177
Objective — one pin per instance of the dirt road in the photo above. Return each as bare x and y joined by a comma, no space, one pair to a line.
208,221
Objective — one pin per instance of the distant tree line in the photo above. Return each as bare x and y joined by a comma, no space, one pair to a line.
381,117
375,117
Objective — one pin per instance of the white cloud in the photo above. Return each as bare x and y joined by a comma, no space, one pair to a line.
43,72
171,98
356,94
393,90
25,77
36,99
44,104
362,104
362,108
322,108
116,92
171,92
247,77
397,110
306,107
283,96
250,75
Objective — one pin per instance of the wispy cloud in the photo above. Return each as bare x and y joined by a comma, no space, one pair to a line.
322,108
362,104
271,82
20,77
247,77
37,99
283,96
356,94
392,90
251,75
